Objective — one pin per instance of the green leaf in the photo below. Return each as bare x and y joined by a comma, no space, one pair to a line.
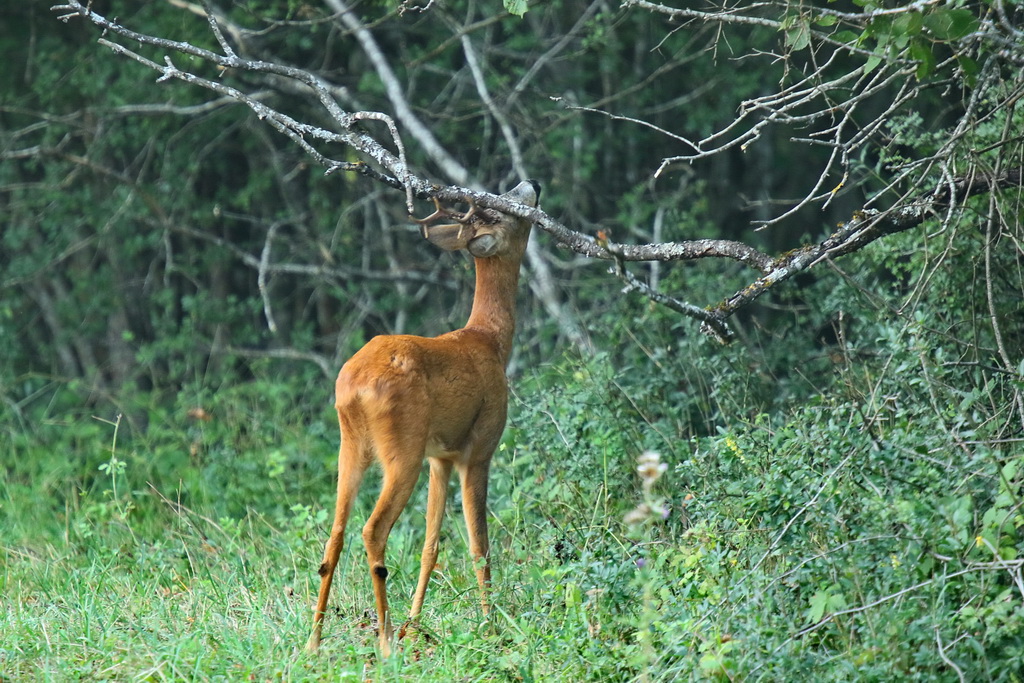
573,595
951,24
799,36
1009,471
516,7
908,24
819,603
921,51
993,517
711,663
881,28
872,62
847,37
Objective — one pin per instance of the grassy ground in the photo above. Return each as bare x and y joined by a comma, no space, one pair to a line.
201,599
108,577
843,538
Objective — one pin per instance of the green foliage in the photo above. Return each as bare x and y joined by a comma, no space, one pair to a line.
925,34
843,494
848,513
516,7
868,519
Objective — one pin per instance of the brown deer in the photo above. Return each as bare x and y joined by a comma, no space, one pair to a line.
403,398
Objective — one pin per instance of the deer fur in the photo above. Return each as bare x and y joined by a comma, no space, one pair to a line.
402,399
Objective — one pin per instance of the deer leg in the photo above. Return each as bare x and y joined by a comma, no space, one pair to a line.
350,473
440,473
474,505
398,482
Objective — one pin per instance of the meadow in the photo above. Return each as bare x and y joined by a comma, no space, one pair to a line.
870,531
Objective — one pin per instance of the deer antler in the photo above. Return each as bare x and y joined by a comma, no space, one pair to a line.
443,213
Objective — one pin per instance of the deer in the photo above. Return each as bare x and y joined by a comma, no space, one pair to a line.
403,399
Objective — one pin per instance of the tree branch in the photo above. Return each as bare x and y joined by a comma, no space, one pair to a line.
403,112
808,102
864,228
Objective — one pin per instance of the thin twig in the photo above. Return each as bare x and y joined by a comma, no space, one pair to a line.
261,277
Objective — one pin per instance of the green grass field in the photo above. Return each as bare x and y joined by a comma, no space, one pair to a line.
107,576
836,540
200,600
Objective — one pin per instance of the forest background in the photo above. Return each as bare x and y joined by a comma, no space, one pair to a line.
180,283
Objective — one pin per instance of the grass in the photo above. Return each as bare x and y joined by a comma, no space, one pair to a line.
190,602
838,538
132,585
195,602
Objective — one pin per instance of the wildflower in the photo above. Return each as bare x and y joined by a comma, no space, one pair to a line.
650,468
638,515
735,449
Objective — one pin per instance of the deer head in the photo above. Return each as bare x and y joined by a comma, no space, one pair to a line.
482,232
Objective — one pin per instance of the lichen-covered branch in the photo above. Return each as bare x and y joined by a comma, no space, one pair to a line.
864,228
825,101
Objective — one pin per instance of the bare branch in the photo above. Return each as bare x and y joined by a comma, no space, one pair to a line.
543,284
261,279
326,365
711,322
826,106
403,112
340,273
866,227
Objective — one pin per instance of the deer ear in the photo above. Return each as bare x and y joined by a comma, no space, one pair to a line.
526,192
450,237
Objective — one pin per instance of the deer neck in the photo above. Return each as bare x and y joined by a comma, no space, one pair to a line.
494,300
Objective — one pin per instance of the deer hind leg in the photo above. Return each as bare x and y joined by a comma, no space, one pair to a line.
474,506
400,475
440,473
351,467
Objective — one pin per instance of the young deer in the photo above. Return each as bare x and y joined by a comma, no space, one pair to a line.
403,398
